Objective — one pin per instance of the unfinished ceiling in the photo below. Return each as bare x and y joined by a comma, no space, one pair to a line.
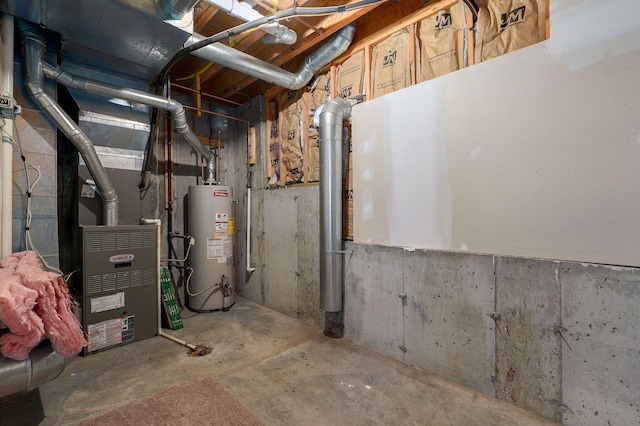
312,31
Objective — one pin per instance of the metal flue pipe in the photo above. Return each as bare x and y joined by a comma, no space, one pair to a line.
33,46
331,117
249,65
67,79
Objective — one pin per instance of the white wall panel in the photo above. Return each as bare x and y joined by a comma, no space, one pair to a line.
535,153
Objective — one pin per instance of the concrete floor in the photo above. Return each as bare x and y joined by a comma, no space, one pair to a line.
287,371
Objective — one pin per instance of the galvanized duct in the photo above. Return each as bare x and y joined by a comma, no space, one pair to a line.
20,377
132,95
331,117
249,65
178,7
277,33
33,46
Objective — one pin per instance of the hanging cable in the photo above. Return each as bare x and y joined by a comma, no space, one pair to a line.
15,141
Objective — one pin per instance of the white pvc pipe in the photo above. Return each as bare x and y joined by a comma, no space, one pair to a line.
158,223
6,154
249,267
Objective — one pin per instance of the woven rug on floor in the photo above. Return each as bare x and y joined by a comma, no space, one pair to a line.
200,401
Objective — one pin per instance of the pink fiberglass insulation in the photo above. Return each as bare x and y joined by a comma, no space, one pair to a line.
35,304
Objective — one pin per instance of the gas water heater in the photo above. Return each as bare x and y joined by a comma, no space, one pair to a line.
210,222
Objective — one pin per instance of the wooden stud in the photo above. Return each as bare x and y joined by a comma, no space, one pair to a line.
333,94
304,135
368,83
252,146
471,40
412,53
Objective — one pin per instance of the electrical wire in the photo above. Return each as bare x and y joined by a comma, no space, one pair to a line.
30,188
186,285
191,242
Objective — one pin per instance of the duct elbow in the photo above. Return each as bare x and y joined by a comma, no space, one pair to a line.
339,108
278,34
338,44
61,76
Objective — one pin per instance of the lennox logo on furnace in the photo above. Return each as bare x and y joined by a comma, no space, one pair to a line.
516,16
118,258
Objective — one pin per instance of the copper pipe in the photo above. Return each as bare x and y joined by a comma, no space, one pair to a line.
208,95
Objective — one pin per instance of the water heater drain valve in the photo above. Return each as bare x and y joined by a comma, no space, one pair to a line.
226,286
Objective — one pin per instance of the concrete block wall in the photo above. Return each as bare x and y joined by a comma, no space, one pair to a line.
559,339
37,135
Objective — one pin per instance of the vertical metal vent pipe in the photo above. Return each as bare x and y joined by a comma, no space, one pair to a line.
67,79
33,47
331,117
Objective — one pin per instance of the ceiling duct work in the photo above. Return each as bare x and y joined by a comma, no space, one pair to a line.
134,38
33,45
249,65
276,33
71,81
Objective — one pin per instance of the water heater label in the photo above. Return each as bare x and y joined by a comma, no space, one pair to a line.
222,224
220,194
215,248
219,249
